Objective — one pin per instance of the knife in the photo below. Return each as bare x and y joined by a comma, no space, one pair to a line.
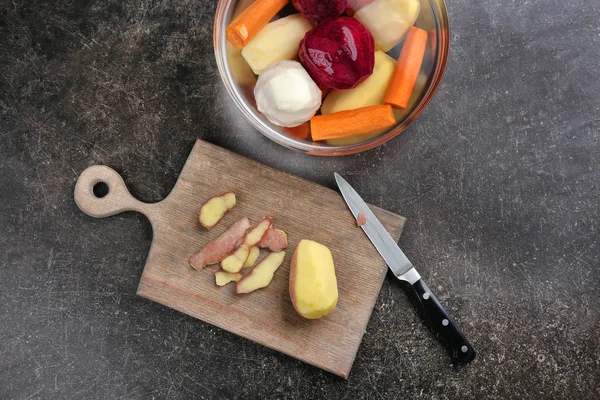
440,321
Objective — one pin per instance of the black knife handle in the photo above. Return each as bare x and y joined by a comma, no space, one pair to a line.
442,324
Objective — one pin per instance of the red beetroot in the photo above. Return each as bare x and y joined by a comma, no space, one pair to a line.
339,53
320,9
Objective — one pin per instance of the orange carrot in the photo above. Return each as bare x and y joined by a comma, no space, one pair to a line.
301,132
351,122
407,69
246,25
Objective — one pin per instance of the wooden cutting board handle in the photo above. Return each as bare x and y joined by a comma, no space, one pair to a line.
117,200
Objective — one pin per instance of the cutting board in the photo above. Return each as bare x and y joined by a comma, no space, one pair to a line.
303,209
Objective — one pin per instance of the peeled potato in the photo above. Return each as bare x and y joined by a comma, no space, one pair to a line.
313,285
277,41
239,68
368,93
388,20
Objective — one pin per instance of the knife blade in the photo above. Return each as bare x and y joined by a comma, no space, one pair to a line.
400,265
379,236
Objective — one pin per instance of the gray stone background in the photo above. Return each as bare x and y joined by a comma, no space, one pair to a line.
499,180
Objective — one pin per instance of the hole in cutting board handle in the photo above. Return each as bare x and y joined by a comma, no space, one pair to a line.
100,192
100,189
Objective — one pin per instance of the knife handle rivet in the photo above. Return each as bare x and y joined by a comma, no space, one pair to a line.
445,322
426,296
464,349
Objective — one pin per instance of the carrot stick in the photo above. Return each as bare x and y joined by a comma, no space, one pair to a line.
351,122
246,25
301,132
407,69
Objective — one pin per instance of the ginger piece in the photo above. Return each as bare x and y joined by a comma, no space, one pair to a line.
221,247
262,274
222,278
215,209
274,240
235,261
252,257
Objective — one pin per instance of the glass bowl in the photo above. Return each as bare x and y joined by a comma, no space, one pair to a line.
239,80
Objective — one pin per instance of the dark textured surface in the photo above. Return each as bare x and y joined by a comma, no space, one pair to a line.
499,181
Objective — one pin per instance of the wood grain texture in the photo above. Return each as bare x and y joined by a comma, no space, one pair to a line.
302,209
